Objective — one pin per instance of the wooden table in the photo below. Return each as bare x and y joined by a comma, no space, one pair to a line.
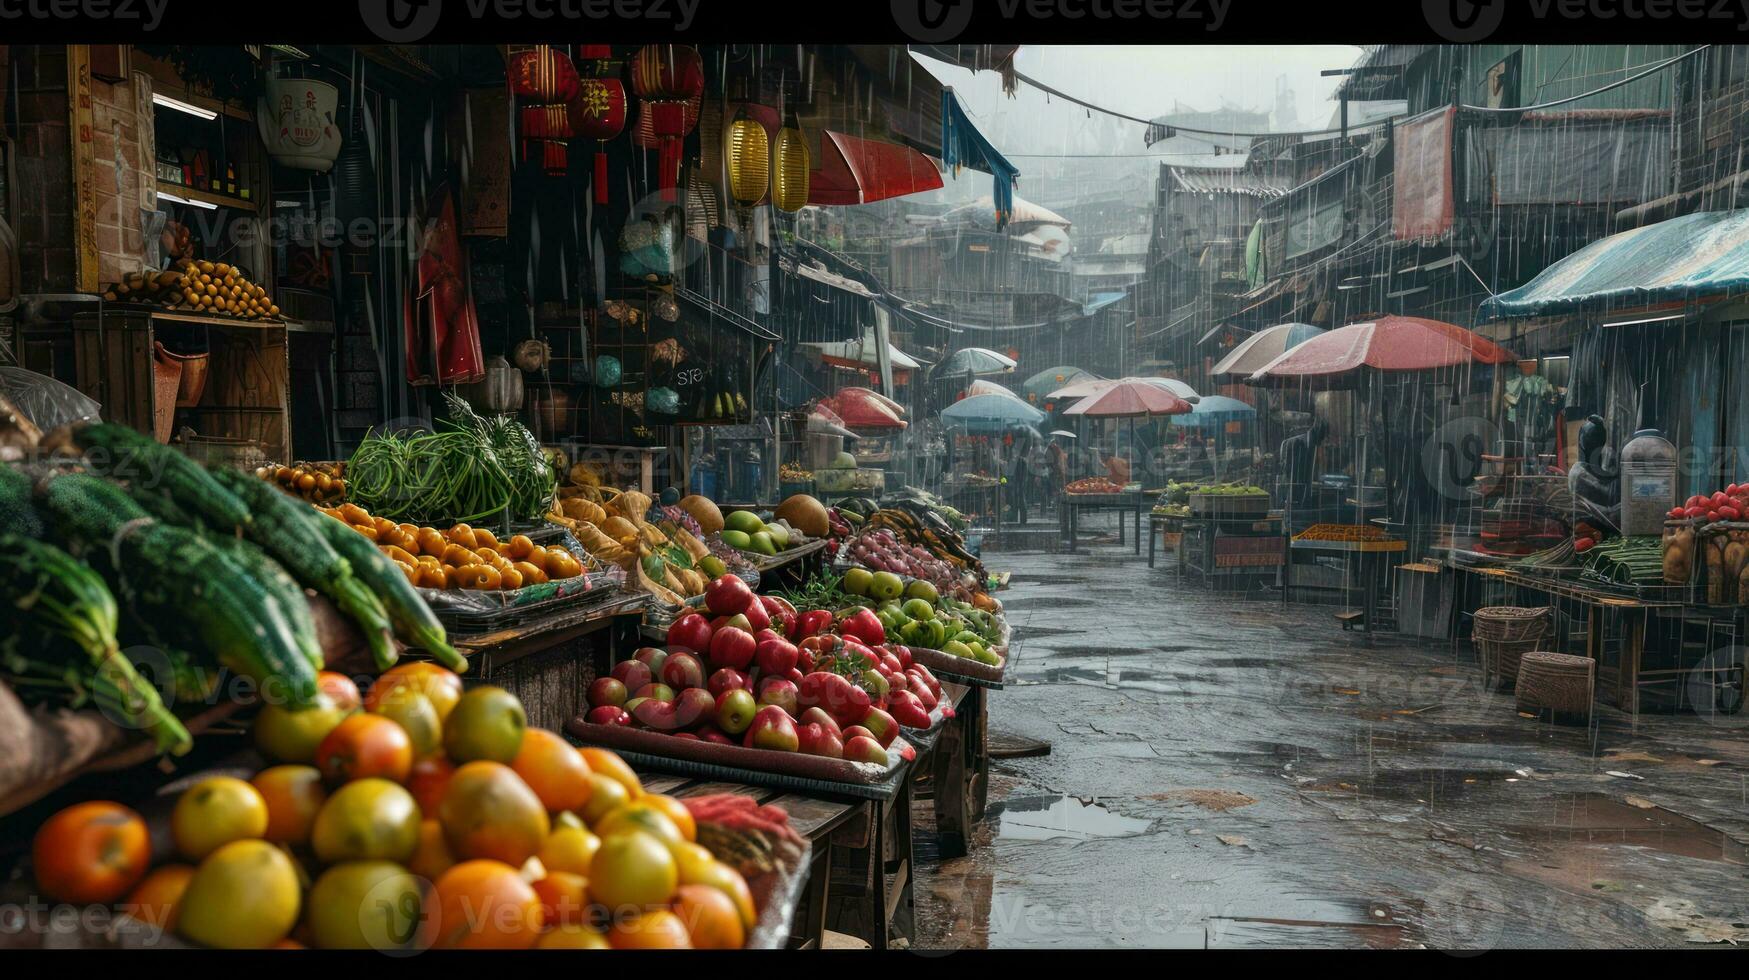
1070,504
789,569
536,660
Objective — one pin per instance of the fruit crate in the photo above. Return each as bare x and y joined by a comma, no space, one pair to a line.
1225,505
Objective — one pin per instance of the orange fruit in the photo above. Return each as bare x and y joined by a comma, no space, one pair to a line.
215,812
632,872
293,736
569,849
676,812
605,796
573,937
91,853
427,780
364,746
697,866
555,771
153,900
340,689
564,898
610,764
293,795
710,917
487,723
441,685
656,929
416,715
639,815
366,820
432,857
489,812
485,905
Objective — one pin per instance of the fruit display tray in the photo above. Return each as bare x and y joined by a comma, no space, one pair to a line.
757,767
1229,505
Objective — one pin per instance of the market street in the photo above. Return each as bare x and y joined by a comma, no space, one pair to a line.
1239,773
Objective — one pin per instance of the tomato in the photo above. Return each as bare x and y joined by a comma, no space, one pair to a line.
556,772
442,686
640,815
416,715
573,937
564,898
293,736
91,853
367,905
608,764
485,905
569,849
657,929
245,895
365,746
676,812
427,781
432,857
294,795
710,917
215,812
340,689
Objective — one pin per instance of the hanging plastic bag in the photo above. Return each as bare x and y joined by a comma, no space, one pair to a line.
49,404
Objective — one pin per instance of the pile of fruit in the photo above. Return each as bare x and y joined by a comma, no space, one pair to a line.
196,286
793,472
881,551
916,615
420,816
1179,493
763,675
625,528
1342,532
746,531
1729,504
1092,484
319,483
462,557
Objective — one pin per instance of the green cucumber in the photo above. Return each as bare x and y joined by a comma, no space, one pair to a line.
118,451
414,622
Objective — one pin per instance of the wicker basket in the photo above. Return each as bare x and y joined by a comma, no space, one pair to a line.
1556,684
1503,634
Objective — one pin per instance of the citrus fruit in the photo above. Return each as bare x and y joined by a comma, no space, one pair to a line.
564,898
153,900
432,857
487,723
417,717
363,746
243,896
366,905
639,815
569,849
571,936
214,812
91,853
294,795
632,871
697,866
555,771
710,917
611,765
285,735
656,929
364,820
606,795
676,812
489,812
485,905
442,686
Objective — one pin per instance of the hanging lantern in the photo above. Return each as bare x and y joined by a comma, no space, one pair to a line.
543,75
545,128
668,77
747,152
789,169
599,113
594,59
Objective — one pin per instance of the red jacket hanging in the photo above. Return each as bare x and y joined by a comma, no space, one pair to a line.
442,330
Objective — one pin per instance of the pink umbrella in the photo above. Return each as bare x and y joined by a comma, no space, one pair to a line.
1390,343
1130,398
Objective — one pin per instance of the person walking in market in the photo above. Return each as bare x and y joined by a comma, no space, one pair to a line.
1017,473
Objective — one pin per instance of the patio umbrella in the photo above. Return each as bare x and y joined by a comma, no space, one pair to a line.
1050,379
1130,398
1337,358
862,353
991,413
1215,410
1262,347
982,387
974,361
1094,386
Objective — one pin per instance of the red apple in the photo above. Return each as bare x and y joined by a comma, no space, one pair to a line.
738,621
772,728
726,679
881,724
854,731
793,675
735,710
607,691
694,706
818,716
631,706
815,739
780,612
861,748
716,737
733,648
609,714
776,655
907,709
651,657
682,670
656,714
632,673
655,691
756,617
776,690
728,595
691,631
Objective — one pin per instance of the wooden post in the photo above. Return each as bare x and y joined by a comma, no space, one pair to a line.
84,163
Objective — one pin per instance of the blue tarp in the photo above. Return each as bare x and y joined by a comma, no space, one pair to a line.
1685,258
963,146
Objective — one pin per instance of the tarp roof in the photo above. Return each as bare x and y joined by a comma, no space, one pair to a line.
1199,180
1684,258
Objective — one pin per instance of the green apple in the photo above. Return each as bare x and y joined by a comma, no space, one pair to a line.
745,521
779,536
857,581
920,589
737,540
886,585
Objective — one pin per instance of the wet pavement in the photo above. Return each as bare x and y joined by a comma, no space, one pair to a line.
1227,771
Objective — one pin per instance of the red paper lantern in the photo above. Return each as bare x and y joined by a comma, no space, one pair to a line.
599,113
543,75
668,77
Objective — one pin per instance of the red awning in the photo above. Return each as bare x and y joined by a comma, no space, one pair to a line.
854,170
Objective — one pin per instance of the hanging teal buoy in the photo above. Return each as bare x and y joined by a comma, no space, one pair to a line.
607,371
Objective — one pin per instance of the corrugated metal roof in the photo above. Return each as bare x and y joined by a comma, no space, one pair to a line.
1203,181
1696,255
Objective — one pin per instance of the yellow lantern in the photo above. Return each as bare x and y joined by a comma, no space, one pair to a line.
747,153
789,170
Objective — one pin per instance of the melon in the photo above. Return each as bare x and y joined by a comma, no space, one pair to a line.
709,518
844,461
805,514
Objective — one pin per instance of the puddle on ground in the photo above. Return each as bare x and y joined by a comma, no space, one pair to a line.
1038,632
1241,662
1114,679
1047,579
1429,785
1047,602
1281,751
1093,652
1594,818
1051,817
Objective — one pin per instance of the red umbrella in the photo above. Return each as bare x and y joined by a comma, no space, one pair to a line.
1130,398
1390,343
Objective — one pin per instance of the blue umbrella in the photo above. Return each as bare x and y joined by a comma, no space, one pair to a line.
991,413
1215,410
